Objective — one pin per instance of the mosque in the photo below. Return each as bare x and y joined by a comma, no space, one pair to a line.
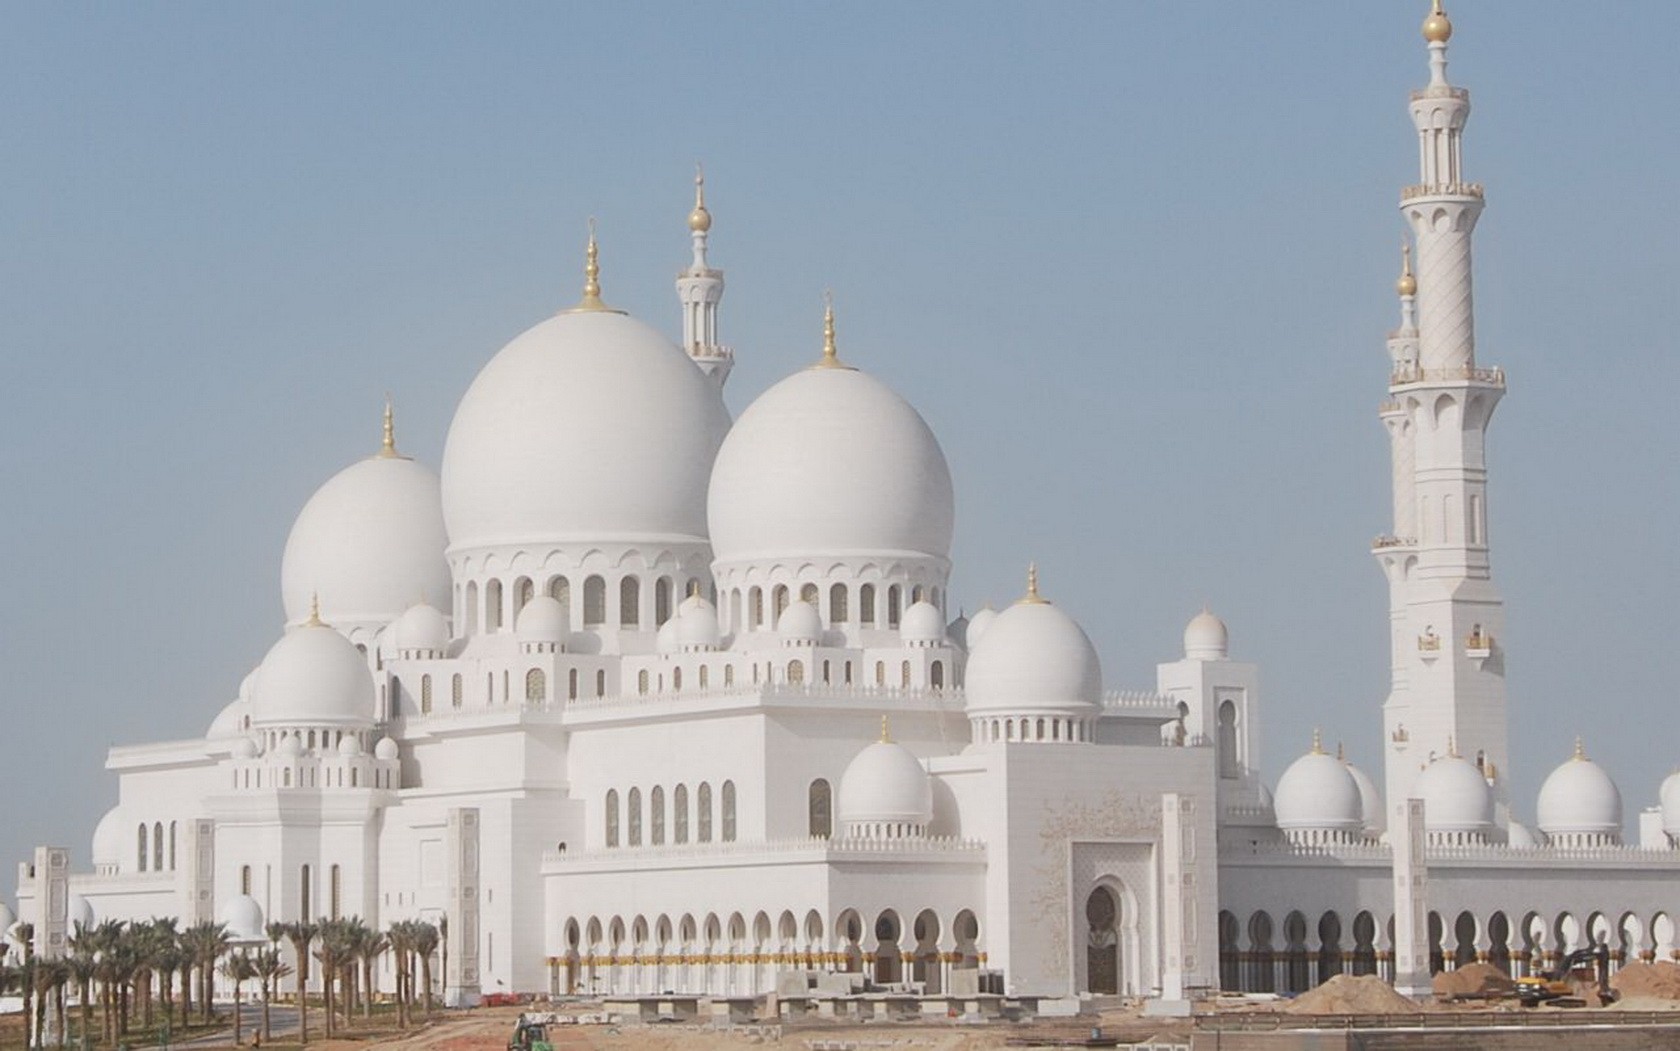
633,697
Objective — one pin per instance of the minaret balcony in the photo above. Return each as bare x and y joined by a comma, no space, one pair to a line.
1442,189
1478,646
1386,542
1405,377
712,352
1440,91
1429,645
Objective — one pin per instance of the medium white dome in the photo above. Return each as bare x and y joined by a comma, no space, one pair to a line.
245,748
421,627
313,675
977,626
1456,797
231,721
386,749
243,918
800,624
290,747
1370,800
665,640
1205,638
1317,792
922,625
830,461
368,543
78,913
113,840
349,746
590,426
697,625
1579,798
886,784
544,621
1669,797
1033,658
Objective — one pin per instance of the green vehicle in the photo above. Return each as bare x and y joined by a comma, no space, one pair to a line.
529,1036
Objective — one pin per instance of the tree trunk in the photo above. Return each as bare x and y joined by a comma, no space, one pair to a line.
303,996
267,991
87,1011
237,1033
426,983
60,1012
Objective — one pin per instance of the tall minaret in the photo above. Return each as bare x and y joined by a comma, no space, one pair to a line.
700,288
1446,617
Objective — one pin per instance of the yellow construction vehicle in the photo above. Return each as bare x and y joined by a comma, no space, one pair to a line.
1582,972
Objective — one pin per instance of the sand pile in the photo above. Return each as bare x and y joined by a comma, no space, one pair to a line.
1347,994
1659,981
1475,980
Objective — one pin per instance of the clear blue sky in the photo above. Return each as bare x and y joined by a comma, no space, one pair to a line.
1132,261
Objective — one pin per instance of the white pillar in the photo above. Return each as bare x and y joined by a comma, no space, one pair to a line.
1411,900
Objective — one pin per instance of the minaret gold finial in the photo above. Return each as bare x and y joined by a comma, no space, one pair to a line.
1437,28
1407,285
388,445
1032,597
1452,747
694,589
1580,751
1318,742
886,731
1341,756
591,301
314,620
830,353
699,220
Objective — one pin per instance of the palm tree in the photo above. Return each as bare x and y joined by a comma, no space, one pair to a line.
370,946
270,967
205,943
83,969
162,954
48,977
238,968
301,934
26,975
400,937
426,940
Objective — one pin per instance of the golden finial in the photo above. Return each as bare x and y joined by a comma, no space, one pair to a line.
694,589
699,220
1452,747
1341,757
1318,742
314,620
1437,28
1407,285
1580,751
886,731
830,355
1032,597
591,301
388,445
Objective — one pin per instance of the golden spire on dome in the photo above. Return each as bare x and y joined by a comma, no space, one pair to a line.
699,220
1407,284
1580,751
1318,742
886,731
830,355
591,302
1032,597
388,442
1437,28
314,620
1452,747
1341,756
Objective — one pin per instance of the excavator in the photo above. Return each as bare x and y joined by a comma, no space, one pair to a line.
1565,986
529,1034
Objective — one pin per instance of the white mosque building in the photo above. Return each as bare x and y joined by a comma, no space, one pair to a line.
639,698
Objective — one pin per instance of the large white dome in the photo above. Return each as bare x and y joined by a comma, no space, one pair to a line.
369,543
1669,797
1318,793
885,785
243,918
591,426
830,461
1033,658
1579,798
1456,797
113,839
313,676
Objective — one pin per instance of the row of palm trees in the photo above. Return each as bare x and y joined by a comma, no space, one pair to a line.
131,968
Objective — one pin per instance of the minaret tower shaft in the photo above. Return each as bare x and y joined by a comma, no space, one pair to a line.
700,290
1446,617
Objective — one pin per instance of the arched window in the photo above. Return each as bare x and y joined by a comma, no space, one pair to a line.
493,606
335,887
779,601
703,816
661,601
796,671
880,673
560,590
629,602
916,593
612,817
425,694
245,879
633,816
472,608
904,675
729,674
455,691
755,609
522,592
594,602
656,816
894,598
572,684
601,683
642,681
305,901
676,680
141,854
703,676
837,604
1228,740
172,846
808,593
936,675
866,604
157,847
536,686
848,667
728,805
825,675
679,814
820,809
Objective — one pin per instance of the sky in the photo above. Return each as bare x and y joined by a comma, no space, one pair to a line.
1133,262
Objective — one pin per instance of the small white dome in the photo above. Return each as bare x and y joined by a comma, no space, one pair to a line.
800,624
386,749
113,840
7,918
977,626
1033,658
243,918
368,542
922,625
588,427
78,912
290,747
231,721
1205,638
1669,797
1520,836
665,640
245,748
1318,793
886,784
544,621
313,675
697,625
1370,801
350,746
422,627
830,461
1456,797
1579,798
957,631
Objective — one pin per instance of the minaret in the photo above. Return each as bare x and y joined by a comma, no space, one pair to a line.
700,289
1446,617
